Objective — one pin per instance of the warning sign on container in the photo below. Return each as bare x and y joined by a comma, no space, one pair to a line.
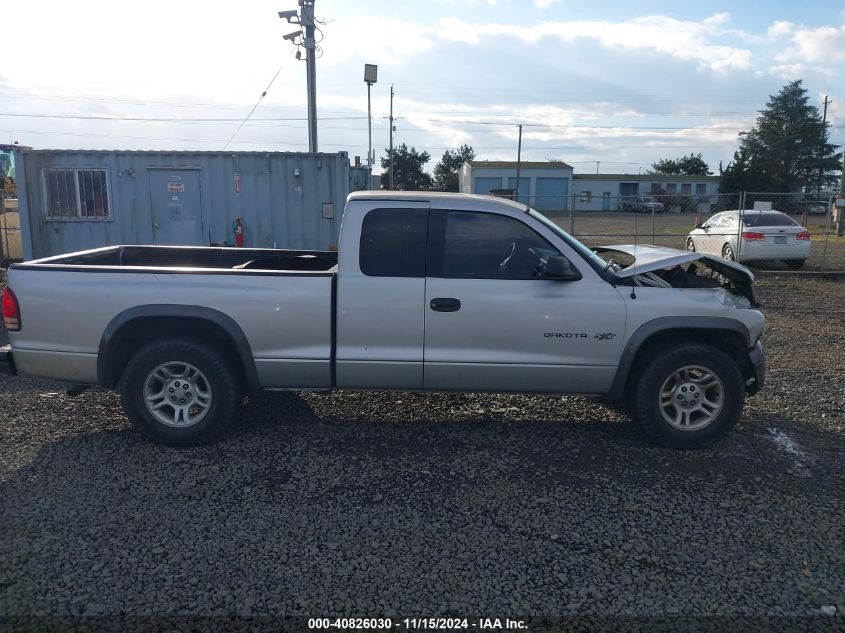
176,187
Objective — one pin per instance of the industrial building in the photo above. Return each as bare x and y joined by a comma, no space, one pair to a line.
542,185
552,186
72,200
609,192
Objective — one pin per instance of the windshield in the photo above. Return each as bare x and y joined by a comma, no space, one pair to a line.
597,262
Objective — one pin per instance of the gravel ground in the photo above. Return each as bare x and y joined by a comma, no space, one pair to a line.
398,504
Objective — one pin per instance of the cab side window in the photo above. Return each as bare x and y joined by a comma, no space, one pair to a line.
393,243
486,246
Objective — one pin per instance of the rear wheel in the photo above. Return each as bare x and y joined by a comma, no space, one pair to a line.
728,252
687,396
795,264
179,392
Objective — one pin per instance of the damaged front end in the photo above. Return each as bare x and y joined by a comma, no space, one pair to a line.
660,267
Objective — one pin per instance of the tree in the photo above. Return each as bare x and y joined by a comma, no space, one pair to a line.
446,171
408,164
787,149
692,165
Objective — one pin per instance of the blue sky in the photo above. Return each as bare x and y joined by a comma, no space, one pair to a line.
608,85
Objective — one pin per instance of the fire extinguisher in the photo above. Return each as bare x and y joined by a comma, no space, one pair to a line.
238,230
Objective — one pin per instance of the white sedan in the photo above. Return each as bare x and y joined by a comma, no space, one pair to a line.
763,235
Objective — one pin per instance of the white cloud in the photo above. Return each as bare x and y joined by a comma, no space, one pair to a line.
780,28
387,41
544,4
799,71
685,40
824,44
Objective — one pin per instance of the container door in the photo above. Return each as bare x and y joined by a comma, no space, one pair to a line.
176,206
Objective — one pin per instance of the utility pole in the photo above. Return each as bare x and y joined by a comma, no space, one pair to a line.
370,77
518,161
307,19
821,149
390,173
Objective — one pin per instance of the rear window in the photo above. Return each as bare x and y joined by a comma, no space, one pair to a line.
768,219
393,243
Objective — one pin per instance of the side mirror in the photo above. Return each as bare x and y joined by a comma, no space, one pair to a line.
559,268
699,225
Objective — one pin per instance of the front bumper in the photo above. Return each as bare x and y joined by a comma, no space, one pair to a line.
7,363
757,356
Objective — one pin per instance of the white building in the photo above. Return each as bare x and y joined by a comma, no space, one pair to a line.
552,186
543,185
608,192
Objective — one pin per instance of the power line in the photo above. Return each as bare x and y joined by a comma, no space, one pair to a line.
93,117
225,106
263,94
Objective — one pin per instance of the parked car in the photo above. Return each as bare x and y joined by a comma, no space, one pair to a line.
643,204
441,292
762,235
816,207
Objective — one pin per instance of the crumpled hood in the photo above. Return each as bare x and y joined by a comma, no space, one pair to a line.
650,258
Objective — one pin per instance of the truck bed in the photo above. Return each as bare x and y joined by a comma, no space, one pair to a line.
280,301
192,257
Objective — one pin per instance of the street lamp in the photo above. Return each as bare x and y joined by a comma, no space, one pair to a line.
370,77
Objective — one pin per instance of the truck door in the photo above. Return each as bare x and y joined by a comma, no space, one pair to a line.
380,297
492,325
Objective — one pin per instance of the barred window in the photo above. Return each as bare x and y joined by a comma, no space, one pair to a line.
76,193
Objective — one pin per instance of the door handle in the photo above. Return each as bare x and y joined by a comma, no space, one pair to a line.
445,304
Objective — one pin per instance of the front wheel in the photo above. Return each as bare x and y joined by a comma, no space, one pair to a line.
728,252
687,396
690,245
179,392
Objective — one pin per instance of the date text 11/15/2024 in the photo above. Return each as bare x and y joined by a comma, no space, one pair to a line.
429,624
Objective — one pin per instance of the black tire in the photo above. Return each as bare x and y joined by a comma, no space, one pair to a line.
795,264
690,245
728,253
220,376
651,373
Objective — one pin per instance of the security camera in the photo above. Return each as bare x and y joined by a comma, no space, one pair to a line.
287,15
292,36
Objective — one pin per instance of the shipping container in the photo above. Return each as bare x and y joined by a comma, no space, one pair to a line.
78,199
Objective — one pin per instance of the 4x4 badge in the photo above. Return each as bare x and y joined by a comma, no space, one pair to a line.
604,336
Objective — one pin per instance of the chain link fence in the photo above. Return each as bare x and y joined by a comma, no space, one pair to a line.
748,227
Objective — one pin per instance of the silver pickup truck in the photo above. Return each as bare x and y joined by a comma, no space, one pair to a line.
429,291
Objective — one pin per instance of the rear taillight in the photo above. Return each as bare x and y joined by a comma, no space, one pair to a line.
803,235
749,236
11,311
